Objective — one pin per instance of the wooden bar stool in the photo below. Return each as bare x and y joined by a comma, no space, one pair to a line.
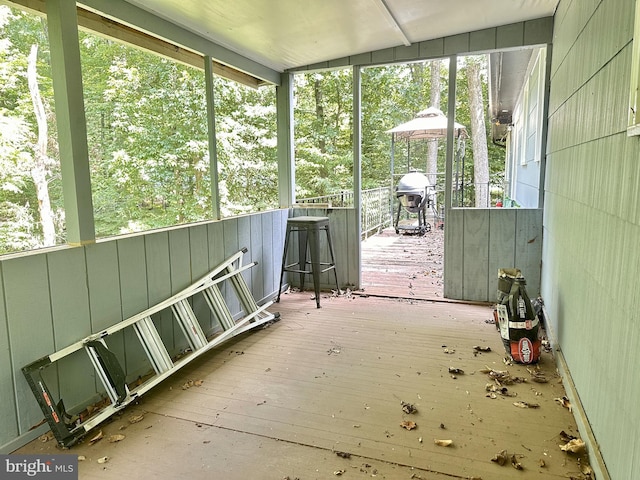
308,230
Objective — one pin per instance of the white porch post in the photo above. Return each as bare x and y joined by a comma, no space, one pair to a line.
286,165
357,165
211,124
62,23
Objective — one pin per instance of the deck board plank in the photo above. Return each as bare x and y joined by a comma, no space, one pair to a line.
332,379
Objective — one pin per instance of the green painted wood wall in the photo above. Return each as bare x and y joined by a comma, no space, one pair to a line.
479,241
346,244
591,250
55,297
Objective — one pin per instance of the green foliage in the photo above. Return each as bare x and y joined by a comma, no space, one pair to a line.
19,214
148,136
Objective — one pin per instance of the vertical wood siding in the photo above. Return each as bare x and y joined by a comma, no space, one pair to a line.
592,222
53,298
346,245
479,241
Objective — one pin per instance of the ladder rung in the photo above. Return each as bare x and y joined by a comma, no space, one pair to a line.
153,345
218,306
109,370
243,292
189,324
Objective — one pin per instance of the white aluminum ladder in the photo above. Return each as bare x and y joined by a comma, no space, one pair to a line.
108,368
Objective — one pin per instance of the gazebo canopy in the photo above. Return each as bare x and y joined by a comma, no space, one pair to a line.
429,123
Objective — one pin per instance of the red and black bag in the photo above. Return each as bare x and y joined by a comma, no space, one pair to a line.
517,322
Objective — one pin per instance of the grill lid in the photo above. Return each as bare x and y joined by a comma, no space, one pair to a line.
414,183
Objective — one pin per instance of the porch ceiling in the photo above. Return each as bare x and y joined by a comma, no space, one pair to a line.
285,34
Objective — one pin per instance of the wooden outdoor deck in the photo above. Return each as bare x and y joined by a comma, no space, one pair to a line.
404,265
281,401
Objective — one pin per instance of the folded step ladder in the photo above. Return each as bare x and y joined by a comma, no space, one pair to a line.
108,368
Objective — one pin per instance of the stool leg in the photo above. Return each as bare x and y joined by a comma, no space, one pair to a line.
302,254
333,260
284,260
314,247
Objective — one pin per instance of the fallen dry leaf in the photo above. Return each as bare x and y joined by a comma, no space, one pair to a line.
500,458
456,371
573,446
586,470
115,438
96,438
515,464
526,405
339,472
409,425
564,401
136,418
442,443
343,454
103,459
478,348
198,383
565,437
408,408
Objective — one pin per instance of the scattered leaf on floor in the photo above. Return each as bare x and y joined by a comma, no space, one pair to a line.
537,375
456,371
338,472
449,351
573,446
188,384
565,437
198,383
442,443
81,458
115,438
103,459
564,401
343,454
515,464
478,348
96,438
408,408
136,418
526,405
500,458
409,425
542,463
586,470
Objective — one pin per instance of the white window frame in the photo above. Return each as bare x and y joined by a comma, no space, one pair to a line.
633,126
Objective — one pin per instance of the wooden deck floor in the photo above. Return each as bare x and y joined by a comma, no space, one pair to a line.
281,401
404,265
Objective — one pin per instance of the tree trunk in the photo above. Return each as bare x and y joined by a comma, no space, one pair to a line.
432,150
317,90
39,170
478,134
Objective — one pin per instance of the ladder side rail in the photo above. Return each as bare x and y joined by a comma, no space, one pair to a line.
150,311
